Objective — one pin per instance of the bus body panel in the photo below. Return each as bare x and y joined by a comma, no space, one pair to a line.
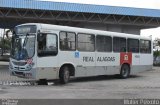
108,62
146,59
139,68
86,64
135,59
47,68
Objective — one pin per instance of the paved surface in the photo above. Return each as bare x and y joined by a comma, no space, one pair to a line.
143,85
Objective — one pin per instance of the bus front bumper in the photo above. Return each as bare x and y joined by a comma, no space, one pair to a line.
23,74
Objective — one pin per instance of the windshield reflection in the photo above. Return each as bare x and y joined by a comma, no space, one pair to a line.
23,47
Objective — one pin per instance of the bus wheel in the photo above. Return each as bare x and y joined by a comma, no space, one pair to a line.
64,75
125,71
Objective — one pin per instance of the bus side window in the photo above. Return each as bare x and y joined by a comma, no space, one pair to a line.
47,46
119,44
67,41
86,42
103,43
133,45
145,46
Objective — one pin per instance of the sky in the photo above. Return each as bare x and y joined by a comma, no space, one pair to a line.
155,32
150,4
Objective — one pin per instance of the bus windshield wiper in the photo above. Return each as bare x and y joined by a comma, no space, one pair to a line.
25,41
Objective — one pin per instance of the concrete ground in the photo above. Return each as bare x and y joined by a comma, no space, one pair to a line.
143,85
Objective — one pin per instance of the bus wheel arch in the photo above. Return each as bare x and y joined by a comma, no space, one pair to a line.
125,70
66,70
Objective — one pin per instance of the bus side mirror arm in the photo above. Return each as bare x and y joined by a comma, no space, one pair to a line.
39,38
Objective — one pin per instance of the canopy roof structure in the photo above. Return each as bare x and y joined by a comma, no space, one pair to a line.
13,12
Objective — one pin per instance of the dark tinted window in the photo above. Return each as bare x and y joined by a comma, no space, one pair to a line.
119,44
145,46
86,42
103,43
67,41
133,45
25,29
47,45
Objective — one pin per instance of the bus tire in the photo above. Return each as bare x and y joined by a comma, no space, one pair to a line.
64,75
125,71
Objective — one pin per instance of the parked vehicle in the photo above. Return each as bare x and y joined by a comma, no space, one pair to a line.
49,52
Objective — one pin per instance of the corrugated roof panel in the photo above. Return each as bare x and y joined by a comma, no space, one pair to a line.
61,6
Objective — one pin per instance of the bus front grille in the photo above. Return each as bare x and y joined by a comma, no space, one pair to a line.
20,63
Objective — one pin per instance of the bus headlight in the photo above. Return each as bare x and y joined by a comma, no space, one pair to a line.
29,67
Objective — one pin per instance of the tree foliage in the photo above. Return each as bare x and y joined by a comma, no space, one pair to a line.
156,53
5,44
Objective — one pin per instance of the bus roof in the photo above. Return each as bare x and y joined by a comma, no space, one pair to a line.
85,30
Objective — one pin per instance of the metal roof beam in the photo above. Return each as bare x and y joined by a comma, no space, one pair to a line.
47,16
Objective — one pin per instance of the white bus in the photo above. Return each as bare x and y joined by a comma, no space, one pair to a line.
51,52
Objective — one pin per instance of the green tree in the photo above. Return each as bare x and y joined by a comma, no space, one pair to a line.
5,44
156,53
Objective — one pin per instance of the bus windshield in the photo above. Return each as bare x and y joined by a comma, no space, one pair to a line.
23,47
